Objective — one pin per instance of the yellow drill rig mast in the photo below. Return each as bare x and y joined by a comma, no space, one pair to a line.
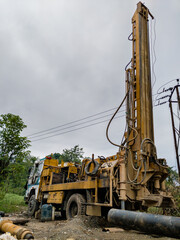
145,171
144,174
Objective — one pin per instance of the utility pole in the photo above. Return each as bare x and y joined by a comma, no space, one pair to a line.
176,132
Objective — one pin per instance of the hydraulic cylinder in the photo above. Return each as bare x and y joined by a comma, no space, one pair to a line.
18,231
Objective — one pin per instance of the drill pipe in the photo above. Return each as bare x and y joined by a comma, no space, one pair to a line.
144,222
19,232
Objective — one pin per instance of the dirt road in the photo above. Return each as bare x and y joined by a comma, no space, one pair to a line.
81,228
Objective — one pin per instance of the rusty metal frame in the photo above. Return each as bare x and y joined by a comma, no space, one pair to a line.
175,89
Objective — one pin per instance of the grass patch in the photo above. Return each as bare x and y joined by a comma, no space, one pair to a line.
168,211
155,210
12,203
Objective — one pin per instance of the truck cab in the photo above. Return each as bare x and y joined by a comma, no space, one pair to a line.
32,186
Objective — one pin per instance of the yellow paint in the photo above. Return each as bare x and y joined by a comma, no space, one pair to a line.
55,197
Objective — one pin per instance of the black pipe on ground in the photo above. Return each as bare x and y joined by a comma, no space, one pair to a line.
144,222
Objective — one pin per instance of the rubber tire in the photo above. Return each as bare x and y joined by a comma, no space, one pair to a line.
32,206
75,206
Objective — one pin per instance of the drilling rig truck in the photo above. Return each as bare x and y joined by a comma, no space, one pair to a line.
133,178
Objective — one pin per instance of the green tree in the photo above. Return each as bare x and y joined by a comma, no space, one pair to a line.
173,187
172,179
17,174
12,145
74,154
56,155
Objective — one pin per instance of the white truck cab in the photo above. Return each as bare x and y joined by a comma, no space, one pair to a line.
32,186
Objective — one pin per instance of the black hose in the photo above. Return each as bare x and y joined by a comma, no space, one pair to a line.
94,171
107,129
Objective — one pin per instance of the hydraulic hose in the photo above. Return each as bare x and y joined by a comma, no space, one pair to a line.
148,140
107,129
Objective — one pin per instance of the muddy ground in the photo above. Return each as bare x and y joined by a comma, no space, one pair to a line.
84,227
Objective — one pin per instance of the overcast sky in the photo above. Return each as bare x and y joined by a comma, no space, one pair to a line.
64,60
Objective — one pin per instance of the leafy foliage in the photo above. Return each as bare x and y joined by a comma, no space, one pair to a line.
74,154
17,175
12,145
173,187
56,155
15,159
172,179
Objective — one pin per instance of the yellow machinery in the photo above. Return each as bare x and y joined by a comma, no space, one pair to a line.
132,179
17,231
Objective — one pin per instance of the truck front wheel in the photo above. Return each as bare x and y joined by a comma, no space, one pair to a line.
75,206
32,206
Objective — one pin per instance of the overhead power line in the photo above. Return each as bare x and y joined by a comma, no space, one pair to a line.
50,129
72,130
81,123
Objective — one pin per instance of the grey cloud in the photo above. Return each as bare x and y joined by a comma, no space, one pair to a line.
64,60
